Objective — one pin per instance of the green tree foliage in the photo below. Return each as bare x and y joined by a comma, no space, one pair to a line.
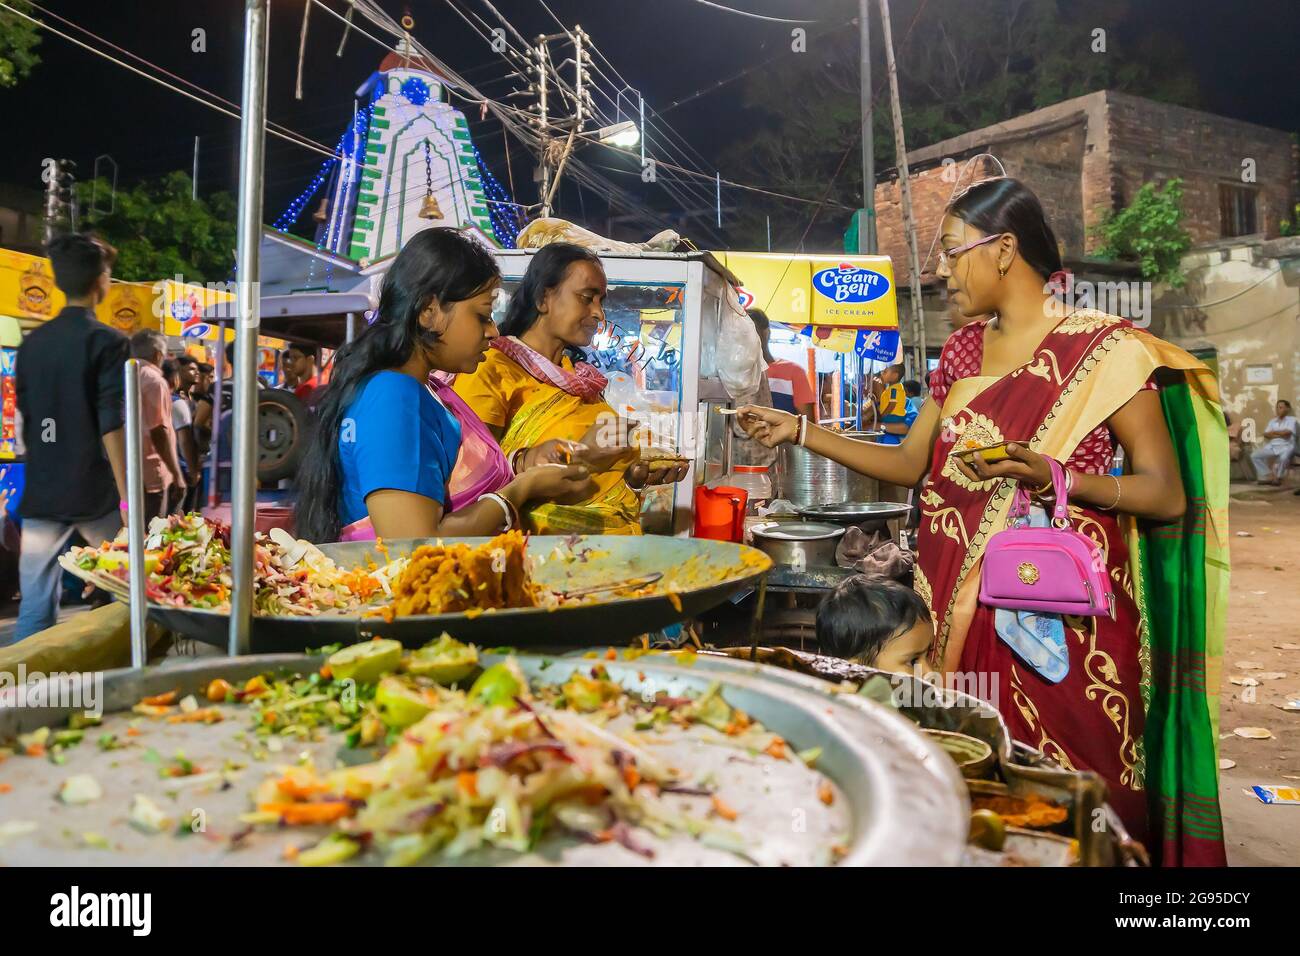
1149,230
19,39
160,232
966,64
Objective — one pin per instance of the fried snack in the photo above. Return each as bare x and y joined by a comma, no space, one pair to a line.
1021,812
448,579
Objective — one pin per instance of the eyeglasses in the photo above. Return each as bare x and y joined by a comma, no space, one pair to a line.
948,256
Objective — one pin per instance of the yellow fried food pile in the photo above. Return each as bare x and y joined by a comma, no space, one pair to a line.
447,579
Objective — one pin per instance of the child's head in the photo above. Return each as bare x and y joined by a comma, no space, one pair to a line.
877,622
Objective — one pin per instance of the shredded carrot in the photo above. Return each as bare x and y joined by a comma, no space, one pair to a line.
6,787
204,715
631,776
296,814
826,793
722,809
133,731
325,672
298,789
467,783
160,700
611,654
776,748
290,852
35,750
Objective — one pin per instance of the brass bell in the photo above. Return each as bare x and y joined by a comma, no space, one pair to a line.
429,208
323,212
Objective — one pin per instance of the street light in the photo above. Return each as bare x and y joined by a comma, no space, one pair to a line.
624,134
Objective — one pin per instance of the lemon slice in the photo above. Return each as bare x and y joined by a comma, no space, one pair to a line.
445,660
401,706
499,684
987,830
365,663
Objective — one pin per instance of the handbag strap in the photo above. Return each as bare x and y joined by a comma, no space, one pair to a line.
1060,510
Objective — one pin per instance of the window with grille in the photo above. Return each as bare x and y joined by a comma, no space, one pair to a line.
1236,211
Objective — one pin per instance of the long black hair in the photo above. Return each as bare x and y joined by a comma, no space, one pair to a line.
1008,205
436,265
546,271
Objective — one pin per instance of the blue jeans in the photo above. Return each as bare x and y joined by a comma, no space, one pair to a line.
39,573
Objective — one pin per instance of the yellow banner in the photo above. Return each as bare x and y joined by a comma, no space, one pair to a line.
27,291
183,308
796,290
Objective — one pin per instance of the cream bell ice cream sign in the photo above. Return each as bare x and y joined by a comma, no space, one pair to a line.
854,294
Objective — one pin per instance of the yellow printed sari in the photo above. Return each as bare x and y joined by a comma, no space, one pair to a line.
504,395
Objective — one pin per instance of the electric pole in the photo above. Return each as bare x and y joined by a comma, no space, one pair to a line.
60,178
867,217
909,225
543,67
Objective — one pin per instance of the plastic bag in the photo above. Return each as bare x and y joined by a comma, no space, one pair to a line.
739,356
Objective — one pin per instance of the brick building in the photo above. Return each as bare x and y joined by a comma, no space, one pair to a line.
1089,155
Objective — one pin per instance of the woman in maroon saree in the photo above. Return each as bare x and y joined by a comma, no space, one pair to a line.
1067,384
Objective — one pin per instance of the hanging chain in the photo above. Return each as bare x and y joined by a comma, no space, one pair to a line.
428,170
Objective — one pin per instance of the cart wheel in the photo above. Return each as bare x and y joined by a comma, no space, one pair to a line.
283,424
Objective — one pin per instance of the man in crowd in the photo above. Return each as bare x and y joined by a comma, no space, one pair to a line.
71,396
892,402
164,485
301,361
1273,458
791,390
187,379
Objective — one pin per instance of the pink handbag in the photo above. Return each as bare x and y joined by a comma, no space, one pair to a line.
1054,570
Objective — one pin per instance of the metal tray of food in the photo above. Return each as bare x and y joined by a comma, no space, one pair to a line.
716,570
856,511
1025,771
878,791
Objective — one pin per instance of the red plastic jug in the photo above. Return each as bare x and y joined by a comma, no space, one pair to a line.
720,513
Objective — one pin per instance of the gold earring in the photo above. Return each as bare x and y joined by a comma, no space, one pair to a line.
1002,272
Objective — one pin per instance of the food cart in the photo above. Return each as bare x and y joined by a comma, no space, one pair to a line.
879,791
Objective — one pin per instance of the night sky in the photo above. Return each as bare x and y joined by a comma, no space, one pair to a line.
78,106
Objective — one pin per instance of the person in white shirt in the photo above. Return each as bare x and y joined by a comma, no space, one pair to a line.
1273,458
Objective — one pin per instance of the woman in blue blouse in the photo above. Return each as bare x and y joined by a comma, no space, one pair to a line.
385,446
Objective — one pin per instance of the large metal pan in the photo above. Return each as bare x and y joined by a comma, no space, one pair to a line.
899,800
611,558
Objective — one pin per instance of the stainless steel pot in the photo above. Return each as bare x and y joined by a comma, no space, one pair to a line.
800,544
806,478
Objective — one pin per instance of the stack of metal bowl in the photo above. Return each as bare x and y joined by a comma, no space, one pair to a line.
805,478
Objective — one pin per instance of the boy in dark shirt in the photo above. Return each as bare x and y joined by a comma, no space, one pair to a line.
71,395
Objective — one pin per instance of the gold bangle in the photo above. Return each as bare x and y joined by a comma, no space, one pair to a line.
1119,491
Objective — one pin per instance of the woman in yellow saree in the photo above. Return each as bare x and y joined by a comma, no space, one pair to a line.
536,394
1131,696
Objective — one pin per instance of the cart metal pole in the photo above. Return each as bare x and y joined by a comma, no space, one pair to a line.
214,441
135,518
243,471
